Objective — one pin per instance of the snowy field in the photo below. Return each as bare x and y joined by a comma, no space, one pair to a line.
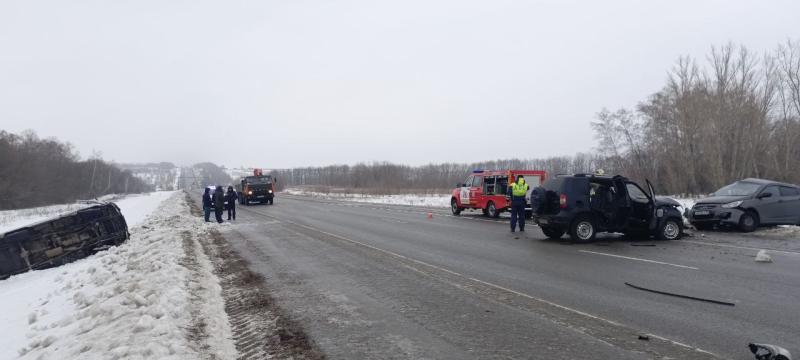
140,300
405,199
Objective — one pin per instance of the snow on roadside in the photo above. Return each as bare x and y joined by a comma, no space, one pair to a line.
137,300
406,199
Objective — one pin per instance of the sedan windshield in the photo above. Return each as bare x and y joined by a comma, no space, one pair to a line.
739,188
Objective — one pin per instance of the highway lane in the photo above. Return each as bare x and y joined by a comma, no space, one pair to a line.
462,287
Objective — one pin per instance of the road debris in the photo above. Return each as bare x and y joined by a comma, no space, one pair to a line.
681,296
763,256
769,352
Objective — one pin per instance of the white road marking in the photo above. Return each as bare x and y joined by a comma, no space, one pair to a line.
681,344
789,252
639,259
391,253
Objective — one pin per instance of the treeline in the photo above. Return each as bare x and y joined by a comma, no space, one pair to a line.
210,174
736,117
388,178
37,172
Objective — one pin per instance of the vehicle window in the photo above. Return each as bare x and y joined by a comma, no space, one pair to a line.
771,189
739,188
554,184
636,193
476,181
468,182
787,191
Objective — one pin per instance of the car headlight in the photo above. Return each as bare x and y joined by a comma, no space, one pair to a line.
250,192
270,191
732,205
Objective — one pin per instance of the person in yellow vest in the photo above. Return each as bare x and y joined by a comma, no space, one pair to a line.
517,191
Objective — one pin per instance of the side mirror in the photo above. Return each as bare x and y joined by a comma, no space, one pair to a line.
765,194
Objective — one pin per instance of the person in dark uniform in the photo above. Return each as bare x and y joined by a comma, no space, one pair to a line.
219,203
517,191
230,200
207,204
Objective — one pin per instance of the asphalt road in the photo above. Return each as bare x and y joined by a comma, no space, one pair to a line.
383,281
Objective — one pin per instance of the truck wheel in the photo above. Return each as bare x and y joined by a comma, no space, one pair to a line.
583,229
672,229
748,222
552,232
491,210
454,207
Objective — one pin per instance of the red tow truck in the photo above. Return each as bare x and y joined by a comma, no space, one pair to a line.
487,190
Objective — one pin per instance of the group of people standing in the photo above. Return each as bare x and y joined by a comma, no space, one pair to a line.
220,201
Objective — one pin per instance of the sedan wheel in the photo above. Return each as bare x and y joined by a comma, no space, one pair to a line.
748,222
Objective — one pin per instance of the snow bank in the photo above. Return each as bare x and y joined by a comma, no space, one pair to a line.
142,299
407,199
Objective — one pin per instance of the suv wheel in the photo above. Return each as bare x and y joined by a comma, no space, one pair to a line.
670,230
748,222
491,210
552,232
454,207
583,229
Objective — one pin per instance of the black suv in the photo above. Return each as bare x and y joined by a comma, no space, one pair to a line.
583,205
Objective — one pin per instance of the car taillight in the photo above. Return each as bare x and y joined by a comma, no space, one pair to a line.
562,201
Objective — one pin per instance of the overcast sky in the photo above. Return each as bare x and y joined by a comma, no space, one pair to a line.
295,83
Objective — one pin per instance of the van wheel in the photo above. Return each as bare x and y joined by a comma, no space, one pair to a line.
491,210
553,233
454,207
583,229
748,222
672,229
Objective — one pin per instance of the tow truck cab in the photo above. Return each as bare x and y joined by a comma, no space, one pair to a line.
487,190
257,188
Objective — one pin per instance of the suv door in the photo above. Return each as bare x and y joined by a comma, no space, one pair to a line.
641,214
769,208
652,192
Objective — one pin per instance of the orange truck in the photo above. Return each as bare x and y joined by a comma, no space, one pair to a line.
487,190
258,188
